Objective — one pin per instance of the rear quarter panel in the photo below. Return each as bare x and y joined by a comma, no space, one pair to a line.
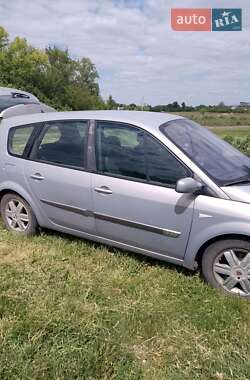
12,173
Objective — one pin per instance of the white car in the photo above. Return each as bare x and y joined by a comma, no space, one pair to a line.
15,102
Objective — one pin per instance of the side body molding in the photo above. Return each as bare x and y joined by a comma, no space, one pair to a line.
108,218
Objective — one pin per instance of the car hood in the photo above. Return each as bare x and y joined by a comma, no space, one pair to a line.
240,193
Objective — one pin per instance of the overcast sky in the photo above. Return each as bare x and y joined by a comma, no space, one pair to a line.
138,57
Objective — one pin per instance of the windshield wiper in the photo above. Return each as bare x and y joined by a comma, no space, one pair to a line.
238,181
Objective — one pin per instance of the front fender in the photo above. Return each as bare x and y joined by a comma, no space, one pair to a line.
214,217
224,229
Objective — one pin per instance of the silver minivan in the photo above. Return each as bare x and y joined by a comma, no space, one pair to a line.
153,183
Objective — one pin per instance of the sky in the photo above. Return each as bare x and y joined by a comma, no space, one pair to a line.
137,55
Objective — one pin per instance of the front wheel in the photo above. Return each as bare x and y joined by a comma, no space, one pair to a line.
17,215
226,265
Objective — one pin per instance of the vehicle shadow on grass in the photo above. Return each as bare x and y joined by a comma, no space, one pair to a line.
149,261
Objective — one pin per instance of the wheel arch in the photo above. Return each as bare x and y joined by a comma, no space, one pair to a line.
27,198
201,250
7,191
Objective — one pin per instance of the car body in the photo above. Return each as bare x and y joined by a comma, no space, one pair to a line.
128,179
15,102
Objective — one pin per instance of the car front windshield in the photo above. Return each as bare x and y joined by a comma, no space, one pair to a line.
223,163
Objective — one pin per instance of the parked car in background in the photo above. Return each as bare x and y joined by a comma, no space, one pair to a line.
153,183
15,102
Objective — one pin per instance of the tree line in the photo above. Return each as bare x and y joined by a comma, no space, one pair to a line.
176,107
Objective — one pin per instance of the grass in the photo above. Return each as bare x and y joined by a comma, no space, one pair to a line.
212,119
71,309
232,131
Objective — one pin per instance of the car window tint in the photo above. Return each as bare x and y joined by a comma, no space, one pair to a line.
162,166
63,143
119,152
18,138
129,152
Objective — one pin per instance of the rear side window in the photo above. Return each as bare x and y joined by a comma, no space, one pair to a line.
62,142
18,139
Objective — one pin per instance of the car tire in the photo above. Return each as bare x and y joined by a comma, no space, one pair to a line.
226,265
17,215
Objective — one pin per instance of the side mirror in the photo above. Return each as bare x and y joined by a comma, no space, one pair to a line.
188,185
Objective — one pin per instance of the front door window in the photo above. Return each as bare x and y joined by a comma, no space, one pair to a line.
128,152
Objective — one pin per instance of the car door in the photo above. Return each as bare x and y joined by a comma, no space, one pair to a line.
134,195
57,177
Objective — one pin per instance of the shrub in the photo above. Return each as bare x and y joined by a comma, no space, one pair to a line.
243,144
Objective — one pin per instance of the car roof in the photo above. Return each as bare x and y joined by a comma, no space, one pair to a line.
15,102
5,91
139,118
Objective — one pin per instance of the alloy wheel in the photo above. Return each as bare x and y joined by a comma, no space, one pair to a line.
231,269
17,215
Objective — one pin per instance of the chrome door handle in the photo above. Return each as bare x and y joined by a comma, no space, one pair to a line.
37,176
103,190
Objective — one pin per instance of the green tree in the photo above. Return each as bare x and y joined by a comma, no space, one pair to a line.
72,82
87,75
3,38
111,103
132,107
50,74
23,66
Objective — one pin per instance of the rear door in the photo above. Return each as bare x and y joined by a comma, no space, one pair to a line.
57,177
135,201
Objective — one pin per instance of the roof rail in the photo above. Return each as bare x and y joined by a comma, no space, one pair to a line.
24,109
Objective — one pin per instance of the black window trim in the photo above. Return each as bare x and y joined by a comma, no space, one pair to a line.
133,179
36,130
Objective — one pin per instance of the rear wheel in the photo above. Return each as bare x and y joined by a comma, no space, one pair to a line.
226,265
17,215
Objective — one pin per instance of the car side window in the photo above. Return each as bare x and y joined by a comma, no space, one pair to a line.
118,150
18,139
62,142
126,151
162,166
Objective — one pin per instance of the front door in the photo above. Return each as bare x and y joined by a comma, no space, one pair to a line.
134,195
57,178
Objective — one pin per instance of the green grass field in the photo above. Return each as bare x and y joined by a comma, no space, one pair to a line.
70,309
212,119
237,132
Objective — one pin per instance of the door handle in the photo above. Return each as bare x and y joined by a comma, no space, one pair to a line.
37,176
103,190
